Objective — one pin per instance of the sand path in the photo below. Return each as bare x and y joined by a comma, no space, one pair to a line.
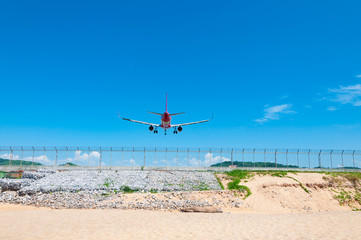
20,222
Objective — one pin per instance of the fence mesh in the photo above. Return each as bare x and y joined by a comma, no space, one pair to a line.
185,157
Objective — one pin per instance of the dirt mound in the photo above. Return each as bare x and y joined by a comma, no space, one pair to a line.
296,192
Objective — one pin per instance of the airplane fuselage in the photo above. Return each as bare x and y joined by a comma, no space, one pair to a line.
165,121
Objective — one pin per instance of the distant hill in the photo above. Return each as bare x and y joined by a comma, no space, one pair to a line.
68,164
251,164
5,162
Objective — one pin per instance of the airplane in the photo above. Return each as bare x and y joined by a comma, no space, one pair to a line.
165,121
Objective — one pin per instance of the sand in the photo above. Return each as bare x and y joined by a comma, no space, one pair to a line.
20,222
284,195
277,209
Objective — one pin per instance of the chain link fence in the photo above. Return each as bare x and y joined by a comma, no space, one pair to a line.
178,157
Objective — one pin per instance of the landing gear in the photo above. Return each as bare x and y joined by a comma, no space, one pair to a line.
175,132
155,131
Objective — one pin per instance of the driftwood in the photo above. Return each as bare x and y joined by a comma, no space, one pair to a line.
202,209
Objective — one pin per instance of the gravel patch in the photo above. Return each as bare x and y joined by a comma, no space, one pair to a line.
105,189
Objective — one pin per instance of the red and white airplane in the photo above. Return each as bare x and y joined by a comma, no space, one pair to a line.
165,121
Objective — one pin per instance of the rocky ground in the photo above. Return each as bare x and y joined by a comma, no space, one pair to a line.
108,189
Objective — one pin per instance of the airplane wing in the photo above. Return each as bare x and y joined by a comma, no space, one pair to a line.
184,124
191,123
131,120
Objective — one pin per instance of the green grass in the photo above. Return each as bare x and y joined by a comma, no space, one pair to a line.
279,174
234,185
252,164
236,176
353,177
107,183
301,185
219,181
202,186
127,189
240,174
343,197
153,190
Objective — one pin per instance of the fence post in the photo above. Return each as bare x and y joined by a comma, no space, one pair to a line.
111,157
66,159
177,157
254,160
331,158
188,159
221,157
342,158
210,158
243,157
319,159
56,157
121,163
199,157
32,162
298,158
11,156
77,155
287,158
144,159
89,157
309,161
133,157
353,159
264,157
276,158
100,158
22,156
44,154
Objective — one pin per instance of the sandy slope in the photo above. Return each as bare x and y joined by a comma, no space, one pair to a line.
284,195
19,222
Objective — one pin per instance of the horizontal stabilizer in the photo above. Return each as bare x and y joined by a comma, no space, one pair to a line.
156,113
176,113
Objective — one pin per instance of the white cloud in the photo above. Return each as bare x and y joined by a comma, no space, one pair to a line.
43,159
331,108
274,112
91,159
346,95
85,156
9,156
210,159
359,76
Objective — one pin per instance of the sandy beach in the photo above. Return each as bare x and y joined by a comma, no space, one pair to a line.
278,208
23,222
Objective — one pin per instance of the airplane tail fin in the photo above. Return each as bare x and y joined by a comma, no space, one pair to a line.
156,113
176,113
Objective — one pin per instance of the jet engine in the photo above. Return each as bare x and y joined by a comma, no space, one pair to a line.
151,128
179,128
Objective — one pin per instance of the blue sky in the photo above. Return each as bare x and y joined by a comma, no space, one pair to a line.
274,73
